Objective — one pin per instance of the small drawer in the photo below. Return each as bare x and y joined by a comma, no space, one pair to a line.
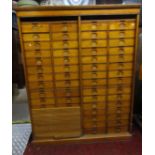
122,24
64,36
94,82
94,91
113,116
94,67
37,45
40,85
36,37
66,61
39,69
94,51
118,110
34,27
94,112
121,42
40,77
93,43
38,62
119,97
68,100
121,34
98,118
93,75
66,68
117,123
64,27
93,25
38,54
118,129
92,124
120,58
90,99
121,50
65,44
65,53
67,92
67,83
91,106
120,73
94,35
93,59
66,76
42,103
123,81
41,94
119,104
124,66
119,89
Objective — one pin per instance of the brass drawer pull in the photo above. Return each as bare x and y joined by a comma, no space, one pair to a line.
65,28
36,36
122,25
94,26
94,35
66,60
30,44
35,26
121,43
39,62
94,67
65,36
94,106
122,34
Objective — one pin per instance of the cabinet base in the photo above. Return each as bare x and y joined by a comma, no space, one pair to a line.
86,138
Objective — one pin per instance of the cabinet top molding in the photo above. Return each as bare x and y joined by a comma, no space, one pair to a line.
77,10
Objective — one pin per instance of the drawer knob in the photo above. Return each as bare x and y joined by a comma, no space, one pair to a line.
122,25
65,28
94,35
94,67
121,43
94,26
36,36
39,62
35,26
94,106
65,36
66,60
122,34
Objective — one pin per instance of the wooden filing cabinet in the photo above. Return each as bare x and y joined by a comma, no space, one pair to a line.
79,67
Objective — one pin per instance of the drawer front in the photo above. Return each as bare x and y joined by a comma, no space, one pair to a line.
65,44
64,27
65,36
118,123
42,103
40,69
94,35
90,99
36,45
122,24
36,37
93,25
123,81
94,112
124,97
94,124
118,129
91,106
65,53
93,59
118,110
34,27
94,67
121,34
41,94
38,54
124,66
93,82
121,42
66,68
65,61
98,118
119,104
38,62
93,75
121,50
119,89
67,92
93,43
94,91
93,52
66,76
114,116
67,83
40,77
120,73
121,58
40,85
68,100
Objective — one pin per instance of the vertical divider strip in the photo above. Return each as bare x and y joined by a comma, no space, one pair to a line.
52,63
80,71
107,86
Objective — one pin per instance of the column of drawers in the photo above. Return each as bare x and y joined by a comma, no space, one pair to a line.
66,69
93,74
37,51
121,56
